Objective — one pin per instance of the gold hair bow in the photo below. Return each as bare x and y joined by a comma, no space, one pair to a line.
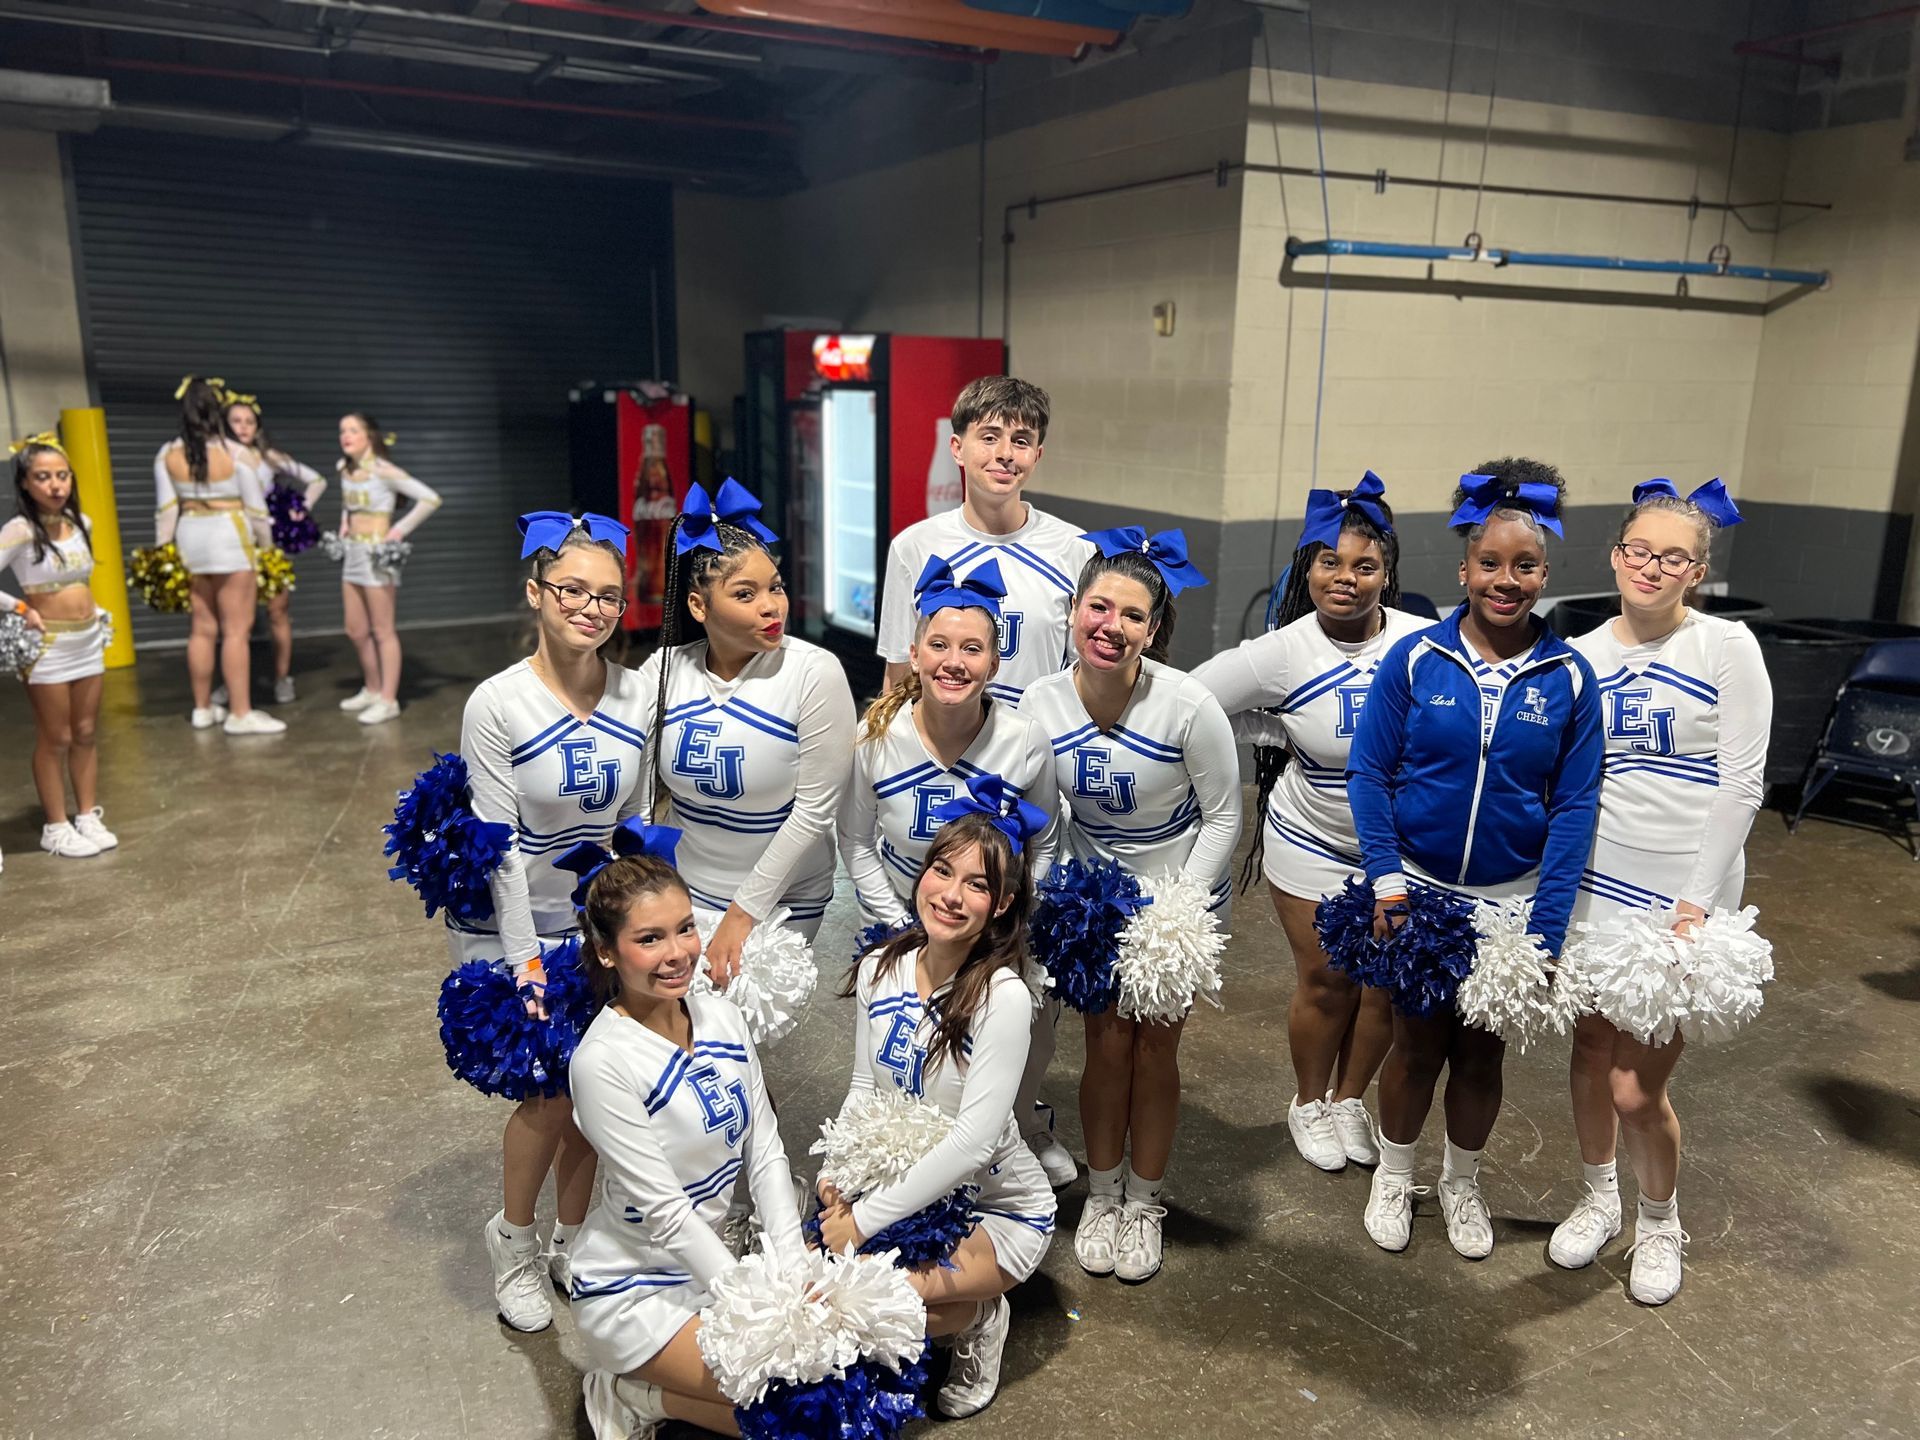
390,439
46,439
180,390
231,398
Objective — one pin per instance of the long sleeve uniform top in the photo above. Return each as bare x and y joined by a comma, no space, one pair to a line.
376,489
67,561
244,485
280,466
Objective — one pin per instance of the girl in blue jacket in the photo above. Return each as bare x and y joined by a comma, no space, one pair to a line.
1476,769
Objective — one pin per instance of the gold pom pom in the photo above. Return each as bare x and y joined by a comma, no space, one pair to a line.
162,579
275,571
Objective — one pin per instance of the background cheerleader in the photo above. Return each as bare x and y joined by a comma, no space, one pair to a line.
48,545
554,748
1475,768
304,485
209,501
922,741
667,1087
370,487
1145,760
751,729
944,1014
1687,706
1336,619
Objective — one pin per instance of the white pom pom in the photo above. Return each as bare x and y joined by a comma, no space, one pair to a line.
806,1318
877,1139
1510,990
1631,968
1039,982
1169,952
777,975
1726,967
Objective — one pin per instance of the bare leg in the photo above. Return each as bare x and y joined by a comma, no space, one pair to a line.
386,640
83,761
573,1171
1106,1089
532,1139
236,598
1589,1073
1369,1037
1027,1109
1155,1110
1474,1085
360,632
953,1295
280,622
1324,1001
52,744
1647,1119
203,637
1412,1071
691,1392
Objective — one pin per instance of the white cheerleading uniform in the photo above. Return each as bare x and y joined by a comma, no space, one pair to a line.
1158,792
281,468
1015,1206
1039,564
557,780
1686,721
754,767
69,649
375,490
886,819
675,1133
217,525
1301,688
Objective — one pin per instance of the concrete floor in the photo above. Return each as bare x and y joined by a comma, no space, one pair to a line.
245,1196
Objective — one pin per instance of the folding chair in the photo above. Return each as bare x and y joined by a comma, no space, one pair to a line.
1874,733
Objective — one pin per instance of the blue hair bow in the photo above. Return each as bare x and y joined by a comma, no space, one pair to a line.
989,795
548,530
1167,551
1488,493
734,505
630,837
938,590
1710,499
1327,511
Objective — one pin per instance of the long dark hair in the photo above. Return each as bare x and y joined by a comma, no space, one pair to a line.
262,443
1135,566
681,575
1296,600
203,419
29,510
1002,945
610,898
376,441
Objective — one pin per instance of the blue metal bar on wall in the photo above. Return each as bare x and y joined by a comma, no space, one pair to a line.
1377,249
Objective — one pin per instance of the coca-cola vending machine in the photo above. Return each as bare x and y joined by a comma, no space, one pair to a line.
633,455
846,444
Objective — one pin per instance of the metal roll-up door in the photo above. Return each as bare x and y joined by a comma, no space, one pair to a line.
455,303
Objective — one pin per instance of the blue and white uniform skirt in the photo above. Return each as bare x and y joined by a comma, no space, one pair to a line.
1620,881
1015,1208
1302,863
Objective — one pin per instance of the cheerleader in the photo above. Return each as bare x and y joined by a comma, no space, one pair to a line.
922,742
751,729
1303,684
944,1014
245,429
1144,758
48,544
208,502
667,1088
554,747
1475,769
370,487
1687,705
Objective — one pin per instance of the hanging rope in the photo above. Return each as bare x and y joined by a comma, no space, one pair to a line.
1326,218
1486,136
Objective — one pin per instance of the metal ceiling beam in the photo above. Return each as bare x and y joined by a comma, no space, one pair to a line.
795,35
514,27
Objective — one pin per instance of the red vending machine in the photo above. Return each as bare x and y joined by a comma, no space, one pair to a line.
633,456
845,442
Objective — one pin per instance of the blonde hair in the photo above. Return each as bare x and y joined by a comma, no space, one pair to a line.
906,690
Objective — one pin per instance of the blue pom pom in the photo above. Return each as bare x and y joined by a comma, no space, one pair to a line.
1345,925
289,534
1076,928
446,852
491,1041
926,1237
871,937
866,1402
1422,965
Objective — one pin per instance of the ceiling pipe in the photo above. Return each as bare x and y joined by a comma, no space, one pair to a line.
1499,258
458,97
699,20
1791,45
511,27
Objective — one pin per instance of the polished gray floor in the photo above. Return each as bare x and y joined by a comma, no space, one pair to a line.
244,1197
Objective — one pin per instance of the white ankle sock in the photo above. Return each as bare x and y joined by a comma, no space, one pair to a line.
562,1234
1661,1212
1458,1164
1105,1182
1143,1191
518,1234
1396,1159
1604,1178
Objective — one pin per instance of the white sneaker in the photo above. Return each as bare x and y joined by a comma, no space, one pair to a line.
1311,1126
66,842
379,712
975,1375
1469,1225
559,1263
93,827
283,690
1136,1248
359,700
221,699
519,1279
206,719
1656,1252
619,1408
1093,1241
1054,1159
1389,1217
254,722
1579,1238
1355,1128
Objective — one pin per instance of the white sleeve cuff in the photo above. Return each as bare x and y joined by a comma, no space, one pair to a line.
1391,884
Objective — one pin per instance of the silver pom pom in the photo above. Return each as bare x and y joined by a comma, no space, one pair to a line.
392,554
1169,952
333,546
777,975
19,646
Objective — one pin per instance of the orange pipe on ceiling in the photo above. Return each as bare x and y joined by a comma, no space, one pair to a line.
949,22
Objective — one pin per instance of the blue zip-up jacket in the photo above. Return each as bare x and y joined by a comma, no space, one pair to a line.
1422,787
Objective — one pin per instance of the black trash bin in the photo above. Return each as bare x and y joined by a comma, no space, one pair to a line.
1807,666
1585,613
1863,629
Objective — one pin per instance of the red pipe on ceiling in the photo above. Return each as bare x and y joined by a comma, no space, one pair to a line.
1771,45
464,97
699,20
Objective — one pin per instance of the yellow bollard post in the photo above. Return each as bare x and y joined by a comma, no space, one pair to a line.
84,433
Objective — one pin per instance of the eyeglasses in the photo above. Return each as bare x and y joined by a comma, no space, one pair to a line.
1672,562
573,599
